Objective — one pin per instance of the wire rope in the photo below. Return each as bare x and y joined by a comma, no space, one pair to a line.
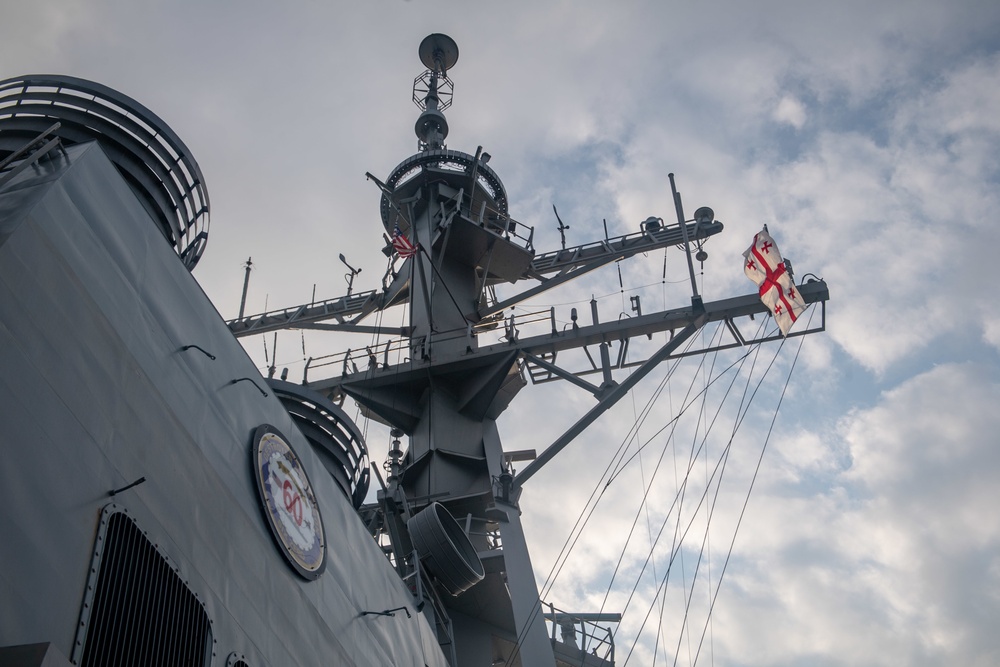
580,524
647,489
615,470
672,506
753,479
676,548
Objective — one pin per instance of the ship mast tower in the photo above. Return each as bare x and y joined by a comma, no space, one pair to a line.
452,207
449,506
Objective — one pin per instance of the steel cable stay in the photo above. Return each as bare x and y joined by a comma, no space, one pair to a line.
720,466
644,505
753,480
620,453
718,470
677,543
693,457
667,518
650,404
706,541
704,544
647,488
673,422
599,490
670,440
652,542
680,413
585,514
677,499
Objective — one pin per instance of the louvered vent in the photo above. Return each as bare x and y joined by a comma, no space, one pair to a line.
137,610
235,660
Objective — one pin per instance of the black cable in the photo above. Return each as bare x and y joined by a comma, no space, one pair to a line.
648,488
753,480
589,507
443,282
664,524
675,552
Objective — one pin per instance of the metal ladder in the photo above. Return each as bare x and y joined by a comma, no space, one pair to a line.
29,154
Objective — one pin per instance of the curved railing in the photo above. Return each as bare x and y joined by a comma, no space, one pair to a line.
334,437
462,165
152,159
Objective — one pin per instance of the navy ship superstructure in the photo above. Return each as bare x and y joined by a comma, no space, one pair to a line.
135,530
166,504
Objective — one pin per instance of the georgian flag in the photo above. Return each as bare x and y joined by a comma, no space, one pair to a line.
402,245
763,265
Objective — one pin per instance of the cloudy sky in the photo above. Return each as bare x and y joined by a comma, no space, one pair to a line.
866,135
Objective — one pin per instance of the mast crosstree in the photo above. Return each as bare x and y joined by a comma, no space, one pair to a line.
449,506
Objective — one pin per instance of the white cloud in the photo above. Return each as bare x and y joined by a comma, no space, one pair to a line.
904,571
790,111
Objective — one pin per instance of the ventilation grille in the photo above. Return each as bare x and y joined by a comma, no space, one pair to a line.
137,610
236,660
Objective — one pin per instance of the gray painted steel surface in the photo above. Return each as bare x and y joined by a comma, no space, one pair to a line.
97,391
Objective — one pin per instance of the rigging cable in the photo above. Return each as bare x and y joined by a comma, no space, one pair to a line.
689,592
694,455
678,494
647,488
589,508
753,479
719,469
675,547
581,521
615,467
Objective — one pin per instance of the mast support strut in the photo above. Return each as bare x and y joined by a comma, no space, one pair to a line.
608,400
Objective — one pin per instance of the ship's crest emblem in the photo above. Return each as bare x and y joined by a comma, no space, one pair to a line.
289,502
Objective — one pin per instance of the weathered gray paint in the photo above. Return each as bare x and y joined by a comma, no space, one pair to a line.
96,392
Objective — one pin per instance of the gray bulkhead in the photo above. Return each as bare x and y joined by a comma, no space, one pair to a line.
96,392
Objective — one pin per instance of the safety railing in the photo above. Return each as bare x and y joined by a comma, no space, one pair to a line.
581,640
149,155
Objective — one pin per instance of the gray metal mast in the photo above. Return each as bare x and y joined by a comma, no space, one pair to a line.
455,454
449,505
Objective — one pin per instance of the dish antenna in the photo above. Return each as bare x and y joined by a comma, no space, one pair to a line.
438,53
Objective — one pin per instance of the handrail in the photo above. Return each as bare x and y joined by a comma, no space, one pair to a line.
151,157
24,149
595,641
31,156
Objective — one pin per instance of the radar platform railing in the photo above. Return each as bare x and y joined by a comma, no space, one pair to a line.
154,161
581,639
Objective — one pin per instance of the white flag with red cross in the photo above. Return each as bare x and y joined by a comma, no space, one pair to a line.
763,265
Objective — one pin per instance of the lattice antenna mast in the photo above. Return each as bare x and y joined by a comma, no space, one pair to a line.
433,90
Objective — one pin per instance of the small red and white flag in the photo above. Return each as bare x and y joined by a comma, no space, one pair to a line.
763,265
402,245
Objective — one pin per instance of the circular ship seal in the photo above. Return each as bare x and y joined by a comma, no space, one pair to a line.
289,502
